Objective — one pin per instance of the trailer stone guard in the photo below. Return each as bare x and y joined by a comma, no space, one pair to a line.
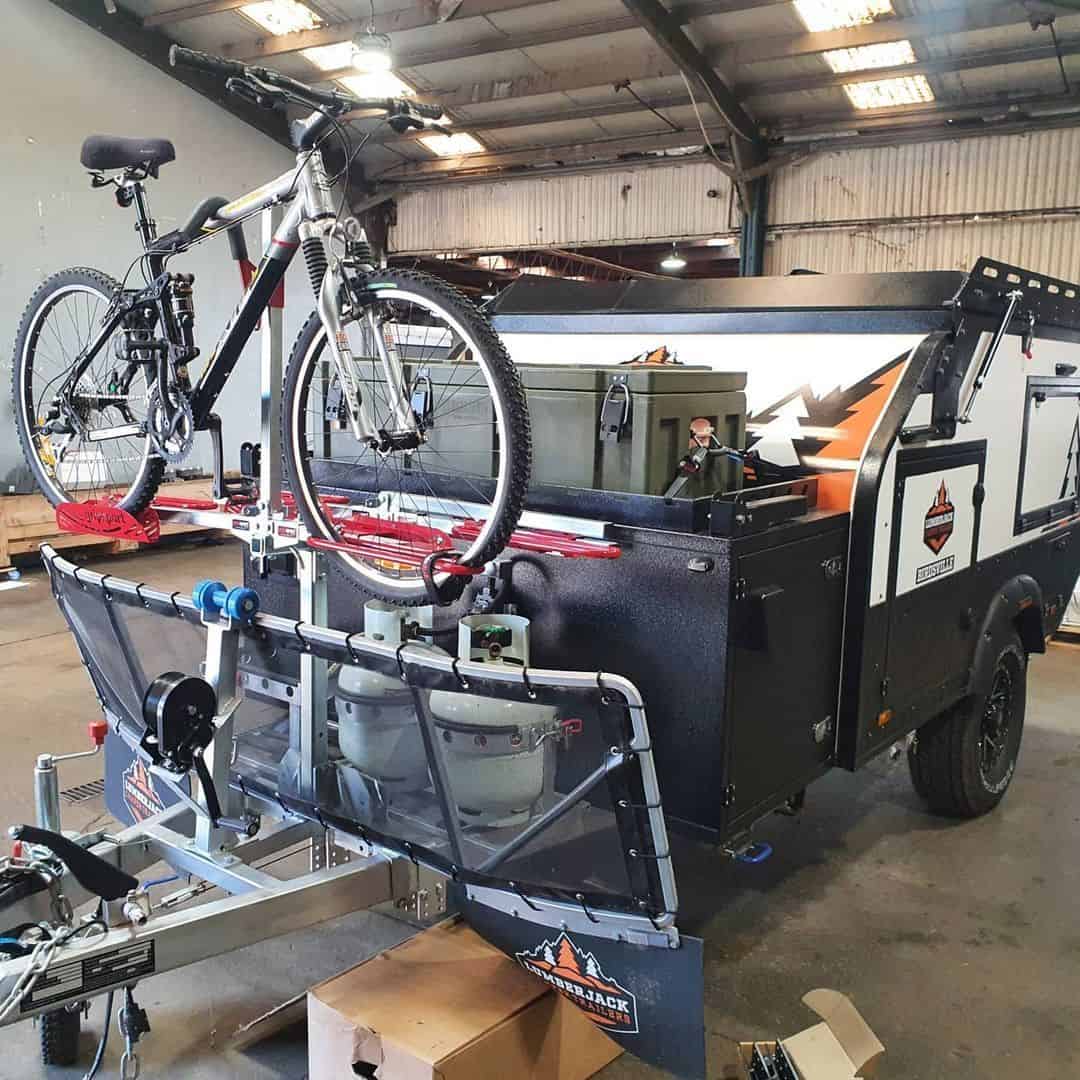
582,868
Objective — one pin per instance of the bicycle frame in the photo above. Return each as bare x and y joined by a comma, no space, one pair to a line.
311,215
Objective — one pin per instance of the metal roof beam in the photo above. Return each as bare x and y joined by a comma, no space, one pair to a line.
410,17
192,11
943,66
415,17
556,116
957,20
153,47
928,114
773,88
666,30
553,155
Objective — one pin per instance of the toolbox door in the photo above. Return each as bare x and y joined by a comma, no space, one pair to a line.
937,513
786,663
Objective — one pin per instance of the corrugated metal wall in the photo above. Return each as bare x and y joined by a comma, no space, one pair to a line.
837,212
654,203
1015,173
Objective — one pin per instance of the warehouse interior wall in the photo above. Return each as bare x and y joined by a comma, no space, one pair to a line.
925,206
80,83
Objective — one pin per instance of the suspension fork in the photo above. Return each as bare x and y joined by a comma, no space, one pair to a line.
320,219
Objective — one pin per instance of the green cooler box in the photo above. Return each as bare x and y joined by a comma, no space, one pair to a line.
613,428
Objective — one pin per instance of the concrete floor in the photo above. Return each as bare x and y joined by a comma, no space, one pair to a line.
959,942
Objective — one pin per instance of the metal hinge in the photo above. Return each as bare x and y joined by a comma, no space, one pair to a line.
741,588
729,796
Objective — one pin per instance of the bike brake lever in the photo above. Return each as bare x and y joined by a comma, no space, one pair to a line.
265,99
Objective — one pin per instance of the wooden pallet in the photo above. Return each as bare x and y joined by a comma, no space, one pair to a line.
27,521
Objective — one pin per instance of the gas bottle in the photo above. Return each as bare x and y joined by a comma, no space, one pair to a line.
495,749
377,726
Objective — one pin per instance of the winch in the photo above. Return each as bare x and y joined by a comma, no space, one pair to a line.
496,750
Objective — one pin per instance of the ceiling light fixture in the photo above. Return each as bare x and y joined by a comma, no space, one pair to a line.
673,262
280,17
822,15
720,241
371,50
910,90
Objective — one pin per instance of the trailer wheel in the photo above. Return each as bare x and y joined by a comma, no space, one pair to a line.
963,760
60,1030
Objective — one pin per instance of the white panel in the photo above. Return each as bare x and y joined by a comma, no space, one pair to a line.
867,188
1049,244
1013,172
652,203
937,526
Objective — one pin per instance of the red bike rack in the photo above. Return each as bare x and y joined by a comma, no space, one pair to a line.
99,517
546,542
403,542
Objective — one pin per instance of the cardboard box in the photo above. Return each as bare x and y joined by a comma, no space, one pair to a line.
445,1005
842,1047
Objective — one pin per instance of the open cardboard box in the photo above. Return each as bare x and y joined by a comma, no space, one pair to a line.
841,1047
446,1005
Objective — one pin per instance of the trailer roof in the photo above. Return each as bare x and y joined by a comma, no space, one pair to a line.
799,303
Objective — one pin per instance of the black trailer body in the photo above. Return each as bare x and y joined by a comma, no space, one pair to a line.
929,515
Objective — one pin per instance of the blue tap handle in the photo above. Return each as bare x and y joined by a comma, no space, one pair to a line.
213,598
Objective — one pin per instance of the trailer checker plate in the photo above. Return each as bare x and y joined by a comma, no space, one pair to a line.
73,979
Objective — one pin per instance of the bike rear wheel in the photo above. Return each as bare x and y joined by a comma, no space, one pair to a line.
67,444
474,455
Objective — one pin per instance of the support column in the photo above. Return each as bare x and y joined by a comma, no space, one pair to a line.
754,224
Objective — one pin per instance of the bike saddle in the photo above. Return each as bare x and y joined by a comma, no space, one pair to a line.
116,152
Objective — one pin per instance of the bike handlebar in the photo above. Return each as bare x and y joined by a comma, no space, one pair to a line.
335,100
200,61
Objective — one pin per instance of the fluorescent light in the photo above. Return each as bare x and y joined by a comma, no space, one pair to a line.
371,52
456,145
376,84
674,261
331,57
910,90
720,241
282,16
867,57
836,14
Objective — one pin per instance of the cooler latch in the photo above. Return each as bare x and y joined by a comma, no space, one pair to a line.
615,412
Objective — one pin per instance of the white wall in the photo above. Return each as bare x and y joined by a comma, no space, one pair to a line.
61,81
632,204
867,198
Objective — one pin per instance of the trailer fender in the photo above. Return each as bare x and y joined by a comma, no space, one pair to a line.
1016,608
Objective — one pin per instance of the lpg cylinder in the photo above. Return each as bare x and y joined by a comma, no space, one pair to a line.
495,749
377,725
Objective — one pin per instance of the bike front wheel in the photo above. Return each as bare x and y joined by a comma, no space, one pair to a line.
468,466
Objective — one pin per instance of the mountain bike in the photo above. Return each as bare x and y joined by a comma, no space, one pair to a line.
397,383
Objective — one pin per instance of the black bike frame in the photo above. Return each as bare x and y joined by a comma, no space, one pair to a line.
256,299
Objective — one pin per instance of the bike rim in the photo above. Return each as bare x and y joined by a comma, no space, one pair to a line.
420,502
54,347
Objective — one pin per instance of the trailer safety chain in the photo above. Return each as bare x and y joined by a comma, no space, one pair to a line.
40,958
133,1023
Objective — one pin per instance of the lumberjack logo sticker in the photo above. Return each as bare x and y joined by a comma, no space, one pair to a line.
577,975
139,794
939,521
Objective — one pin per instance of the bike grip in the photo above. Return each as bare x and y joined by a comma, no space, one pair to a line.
215,65
428,112
91,871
